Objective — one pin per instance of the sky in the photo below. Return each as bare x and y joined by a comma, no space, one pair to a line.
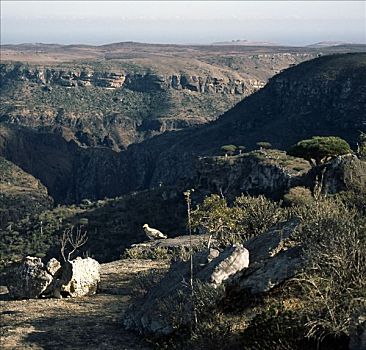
182,22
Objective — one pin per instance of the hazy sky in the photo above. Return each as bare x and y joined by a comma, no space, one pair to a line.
100,22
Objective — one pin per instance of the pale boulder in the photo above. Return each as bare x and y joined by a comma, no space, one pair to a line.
29,280
79,277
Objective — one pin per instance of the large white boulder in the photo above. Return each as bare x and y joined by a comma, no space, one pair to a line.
79,277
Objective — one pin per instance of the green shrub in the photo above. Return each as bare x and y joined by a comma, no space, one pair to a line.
354,199
275,328
361,151
298,196
214,217
255,215
334,241
246,218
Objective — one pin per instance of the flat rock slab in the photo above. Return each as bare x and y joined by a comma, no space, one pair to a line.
172,246
177,242
92,322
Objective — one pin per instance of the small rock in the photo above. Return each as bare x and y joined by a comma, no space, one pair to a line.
237,261
53,266
213,253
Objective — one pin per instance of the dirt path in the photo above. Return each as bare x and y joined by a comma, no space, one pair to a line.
93,323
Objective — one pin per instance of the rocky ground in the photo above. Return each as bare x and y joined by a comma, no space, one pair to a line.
72,323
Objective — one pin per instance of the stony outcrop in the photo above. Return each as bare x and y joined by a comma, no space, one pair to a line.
170,247
210,84
29,280
53,266
344,173
237,260
275,257
159,310
142,82
33,279
262,264
260,173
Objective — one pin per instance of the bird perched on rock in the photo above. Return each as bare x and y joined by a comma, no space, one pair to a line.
153,233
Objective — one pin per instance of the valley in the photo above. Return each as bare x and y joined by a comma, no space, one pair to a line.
72,158
192,140
119,94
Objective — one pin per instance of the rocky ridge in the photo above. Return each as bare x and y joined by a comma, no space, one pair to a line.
141,82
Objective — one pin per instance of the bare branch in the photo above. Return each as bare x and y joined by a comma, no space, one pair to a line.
63,241
75,240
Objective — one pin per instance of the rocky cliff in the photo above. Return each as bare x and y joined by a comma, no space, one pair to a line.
116,107
142,82
268,172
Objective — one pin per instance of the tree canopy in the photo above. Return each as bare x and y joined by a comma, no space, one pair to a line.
228,149
264,145
319,148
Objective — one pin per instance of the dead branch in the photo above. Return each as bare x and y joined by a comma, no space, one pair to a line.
74,239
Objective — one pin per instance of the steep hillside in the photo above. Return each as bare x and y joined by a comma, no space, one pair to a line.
20,194
325,96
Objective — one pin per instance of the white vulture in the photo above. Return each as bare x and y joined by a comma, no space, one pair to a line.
153,233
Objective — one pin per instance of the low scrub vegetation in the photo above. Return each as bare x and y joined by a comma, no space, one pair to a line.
313,310
246,218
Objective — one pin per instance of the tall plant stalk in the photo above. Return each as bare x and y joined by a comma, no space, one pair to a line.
187,195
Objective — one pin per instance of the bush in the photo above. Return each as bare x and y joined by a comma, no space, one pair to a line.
213,216
248,217
275,329
298,196
334,241
354,199
255,215
361,150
